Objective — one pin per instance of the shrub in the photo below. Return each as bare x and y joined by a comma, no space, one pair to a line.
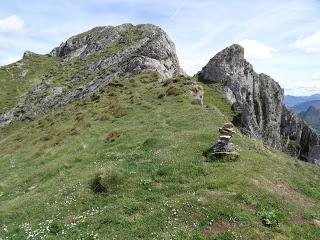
294,145
153,143
268,218
173,91
117,110
161,95
45,138
104,117
94,97
107,180
54,228
75,131
112,136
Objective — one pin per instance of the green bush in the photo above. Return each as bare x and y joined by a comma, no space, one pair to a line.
107,180
268,218
54,228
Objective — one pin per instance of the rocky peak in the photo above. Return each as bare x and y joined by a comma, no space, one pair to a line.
147,46
87,62
260,102
28,54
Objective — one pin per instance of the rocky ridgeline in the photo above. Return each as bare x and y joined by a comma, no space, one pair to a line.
132,48
100,56
259,101
87,62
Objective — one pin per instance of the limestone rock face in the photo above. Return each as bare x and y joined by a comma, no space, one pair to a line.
260,102
150,48
93,59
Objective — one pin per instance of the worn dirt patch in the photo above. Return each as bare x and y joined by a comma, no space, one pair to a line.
250,206
218,228
283,191
208,196
159,185
69,219
133,216
302,219
290,194
299,219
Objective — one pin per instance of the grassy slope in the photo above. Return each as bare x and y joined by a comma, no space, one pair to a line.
161,186
12,86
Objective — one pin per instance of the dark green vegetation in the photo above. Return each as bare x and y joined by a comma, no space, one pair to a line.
128,163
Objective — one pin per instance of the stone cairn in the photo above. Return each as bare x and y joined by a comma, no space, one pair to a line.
224,144
224,149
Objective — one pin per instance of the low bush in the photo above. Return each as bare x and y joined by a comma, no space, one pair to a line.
173,91
106,180
268,218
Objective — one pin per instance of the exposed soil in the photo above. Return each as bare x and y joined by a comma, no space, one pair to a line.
250,206
218,228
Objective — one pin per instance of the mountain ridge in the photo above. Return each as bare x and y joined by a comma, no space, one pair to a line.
128,161
88,61
301,107
290,100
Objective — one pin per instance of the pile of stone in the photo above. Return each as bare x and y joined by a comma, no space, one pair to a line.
224,148
224,144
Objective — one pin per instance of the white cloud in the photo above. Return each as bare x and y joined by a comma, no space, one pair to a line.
8,60
256,50
12,24
309,44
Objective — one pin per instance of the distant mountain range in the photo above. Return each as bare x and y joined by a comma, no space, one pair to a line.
308,108
291,101
302,107
312,116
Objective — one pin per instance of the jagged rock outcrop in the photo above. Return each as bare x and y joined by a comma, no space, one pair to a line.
144,47
88,61
27,54
259,100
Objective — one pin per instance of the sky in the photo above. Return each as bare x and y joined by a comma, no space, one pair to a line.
281,37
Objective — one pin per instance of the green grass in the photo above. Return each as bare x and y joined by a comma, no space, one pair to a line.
147,151
12,86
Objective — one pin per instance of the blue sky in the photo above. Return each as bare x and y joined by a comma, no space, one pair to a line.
281,38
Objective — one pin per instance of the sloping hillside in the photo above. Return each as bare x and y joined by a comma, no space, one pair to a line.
18,79
106,141
82,65
146,138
